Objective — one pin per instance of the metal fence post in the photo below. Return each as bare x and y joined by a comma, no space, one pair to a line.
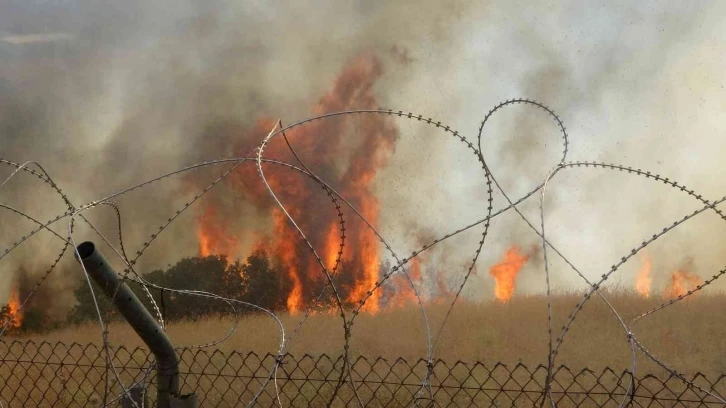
143,324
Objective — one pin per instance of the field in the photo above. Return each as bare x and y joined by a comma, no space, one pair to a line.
61,369
689,336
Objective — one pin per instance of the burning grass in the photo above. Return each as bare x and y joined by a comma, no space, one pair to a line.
687,335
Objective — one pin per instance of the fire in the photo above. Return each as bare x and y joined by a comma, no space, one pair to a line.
287,253
370,257
332,245
211,237
505,272
404,292
16,315
680,283
644,279
346,152
294,300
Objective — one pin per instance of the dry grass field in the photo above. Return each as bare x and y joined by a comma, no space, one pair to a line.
689,335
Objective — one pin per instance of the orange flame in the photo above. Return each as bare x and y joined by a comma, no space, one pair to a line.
294,300
211,237
370,257
505,272
286,250
680,283
204,243
16,315
352,89
404,292
332,245
320,145
644,280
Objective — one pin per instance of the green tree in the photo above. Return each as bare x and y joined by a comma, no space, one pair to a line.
85,309
36,320
263,282
211,274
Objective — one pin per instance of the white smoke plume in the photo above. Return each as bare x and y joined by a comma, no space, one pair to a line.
108,95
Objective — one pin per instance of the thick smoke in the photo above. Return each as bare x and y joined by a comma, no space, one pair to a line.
108,95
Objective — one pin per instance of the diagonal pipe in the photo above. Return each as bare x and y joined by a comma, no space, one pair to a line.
139,319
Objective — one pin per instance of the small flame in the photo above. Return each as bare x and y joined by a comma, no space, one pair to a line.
368,256
505,272
287,251
680,283
332,246
16,315
294,299
404,291
371,263
211,236
205,245
644,279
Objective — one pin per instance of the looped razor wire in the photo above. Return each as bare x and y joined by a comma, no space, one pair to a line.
344,206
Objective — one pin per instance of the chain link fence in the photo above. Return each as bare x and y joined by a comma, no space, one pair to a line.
75,375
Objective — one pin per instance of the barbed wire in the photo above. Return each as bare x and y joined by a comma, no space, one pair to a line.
343,206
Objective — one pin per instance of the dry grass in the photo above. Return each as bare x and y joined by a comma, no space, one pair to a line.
689,335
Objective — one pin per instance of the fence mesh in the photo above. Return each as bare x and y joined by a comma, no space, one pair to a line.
76,375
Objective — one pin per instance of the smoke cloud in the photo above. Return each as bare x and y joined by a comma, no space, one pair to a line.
105,96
